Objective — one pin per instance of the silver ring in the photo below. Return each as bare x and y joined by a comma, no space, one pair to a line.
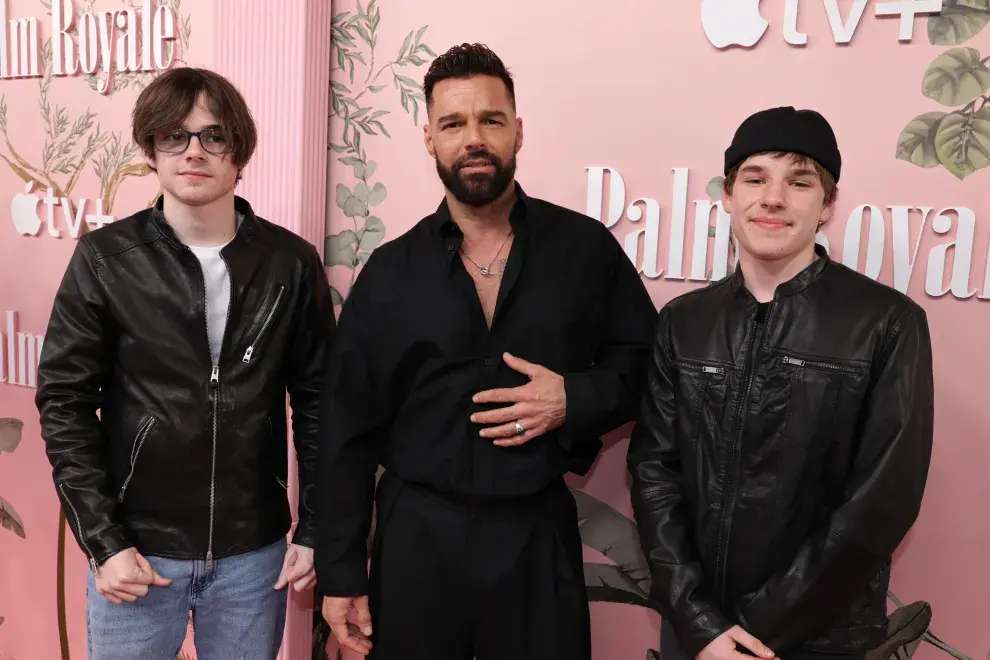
519,429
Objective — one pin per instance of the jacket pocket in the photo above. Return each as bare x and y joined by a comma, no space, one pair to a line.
829,366
696,379
142,435
267,316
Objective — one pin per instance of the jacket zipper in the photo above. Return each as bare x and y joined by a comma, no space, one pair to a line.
82,538
725,517
814,364
264,326
142,435
214,394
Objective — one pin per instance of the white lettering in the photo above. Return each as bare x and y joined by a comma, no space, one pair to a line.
651,234
63,16
874,249
616,194
907,10
164,31
843,32
962,254
24,48
904,256
127,43
678,220
792,35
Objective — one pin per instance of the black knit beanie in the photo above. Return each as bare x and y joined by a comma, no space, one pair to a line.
785,129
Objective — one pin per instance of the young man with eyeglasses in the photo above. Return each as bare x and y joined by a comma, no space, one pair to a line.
185,325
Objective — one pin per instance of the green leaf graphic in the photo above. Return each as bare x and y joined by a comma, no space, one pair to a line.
377,195
340,249
963,142
916,143
955,25
374,232
956,77
343,194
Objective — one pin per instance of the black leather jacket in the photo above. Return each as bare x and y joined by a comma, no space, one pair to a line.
187,459
790,533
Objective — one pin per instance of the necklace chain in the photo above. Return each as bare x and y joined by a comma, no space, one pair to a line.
487,270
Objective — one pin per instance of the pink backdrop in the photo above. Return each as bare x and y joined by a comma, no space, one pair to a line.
636,87
627,85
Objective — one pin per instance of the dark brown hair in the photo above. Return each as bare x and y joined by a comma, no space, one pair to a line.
167,101
465,61
828,181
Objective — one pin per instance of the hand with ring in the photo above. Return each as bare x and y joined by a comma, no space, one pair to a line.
537,407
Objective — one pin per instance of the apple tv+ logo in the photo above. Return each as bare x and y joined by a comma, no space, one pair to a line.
740,23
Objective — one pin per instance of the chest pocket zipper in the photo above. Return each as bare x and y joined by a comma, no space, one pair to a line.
831,367
264,326
142,435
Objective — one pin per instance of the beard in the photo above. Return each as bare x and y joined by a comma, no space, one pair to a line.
481,188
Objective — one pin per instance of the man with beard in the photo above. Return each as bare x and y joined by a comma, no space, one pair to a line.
478,359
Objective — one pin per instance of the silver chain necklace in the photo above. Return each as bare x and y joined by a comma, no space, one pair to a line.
487,270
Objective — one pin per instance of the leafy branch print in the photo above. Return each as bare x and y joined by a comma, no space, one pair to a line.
356,79
959,78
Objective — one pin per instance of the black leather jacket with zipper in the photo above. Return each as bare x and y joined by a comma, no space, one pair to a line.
776,467
187,459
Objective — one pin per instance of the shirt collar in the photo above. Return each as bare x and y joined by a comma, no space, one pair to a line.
449,235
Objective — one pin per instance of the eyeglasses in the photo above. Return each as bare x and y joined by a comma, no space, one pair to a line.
213,140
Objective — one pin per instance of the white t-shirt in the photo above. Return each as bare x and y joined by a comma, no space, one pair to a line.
217,292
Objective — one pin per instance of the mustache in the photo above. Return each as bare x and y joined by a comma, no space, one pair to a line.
486,156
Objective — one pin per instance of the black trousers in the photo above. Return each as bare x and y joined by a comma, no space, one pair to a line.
458,579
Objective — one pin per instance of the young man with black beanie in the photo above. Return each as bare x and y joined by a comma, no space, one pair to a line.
782,450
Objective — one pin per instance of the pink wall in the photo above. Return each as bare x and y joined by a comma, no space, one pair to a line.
277,54
636,87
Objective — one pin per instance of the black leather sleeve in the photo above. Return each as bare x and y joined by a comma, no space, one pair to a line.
75,365
654,461
307,370
882,500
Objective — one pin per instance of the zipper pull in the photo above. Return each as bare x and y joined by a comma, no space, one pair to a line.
247,355
712,370
209,561
94,567
215,375
794,361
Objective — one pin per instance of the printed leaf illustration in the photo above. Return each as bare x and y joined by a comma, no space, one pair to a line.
916,143
714,188
10,520
340,249
372,234
652,655
955,77
607,583
906,628
10,434
959,21
615,536
963,142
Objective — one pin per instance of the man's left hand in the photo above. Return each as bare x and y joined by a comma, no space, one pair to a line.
538,406
297,569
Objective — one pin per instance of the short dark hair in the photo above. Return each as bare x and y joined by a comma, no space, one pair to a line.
168,99
828,181
465,61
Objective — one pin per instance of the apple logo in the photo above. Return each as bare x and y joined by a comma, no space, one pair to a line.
24,212
732,22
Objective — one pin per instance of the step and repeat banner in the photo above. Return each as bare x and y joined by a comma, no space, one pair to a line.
628,107
70,71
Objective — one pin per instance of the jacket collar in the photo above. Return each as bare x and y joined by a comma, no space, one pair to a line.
449,235
796,284
246,229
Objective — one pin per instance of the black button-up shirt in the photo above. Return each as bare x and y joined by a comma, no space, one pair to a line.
412,347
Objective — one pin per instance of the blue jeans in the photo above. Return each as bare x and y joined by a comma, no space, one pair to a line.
237,613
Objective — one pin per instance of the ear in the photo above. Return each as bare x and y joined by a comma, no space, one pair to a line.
151,163
827,212
726,200
428,139
519,134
